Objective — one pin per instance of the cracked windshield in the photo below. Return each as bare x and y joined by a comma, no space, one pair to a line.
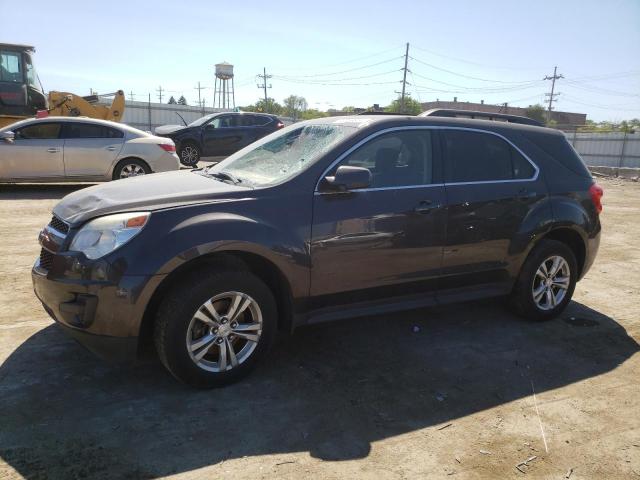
275,160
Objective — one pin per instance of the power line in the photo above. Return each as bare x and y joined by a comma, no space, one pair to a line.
552,96
351,69
457,59
468,76
505,88
345,62
303,80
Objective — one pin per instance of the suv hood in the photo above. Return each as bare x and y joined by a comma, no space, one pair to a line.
167,129
148,192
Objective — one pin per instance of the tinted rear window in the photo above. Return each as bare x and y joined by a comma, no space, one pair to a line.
558,147
89,130
482,157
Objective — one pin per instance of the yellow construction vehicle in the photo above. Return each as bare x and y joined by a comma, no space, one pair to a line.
22,95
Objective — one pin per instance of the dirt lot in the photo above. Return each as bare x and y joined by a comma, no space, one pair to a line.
368,398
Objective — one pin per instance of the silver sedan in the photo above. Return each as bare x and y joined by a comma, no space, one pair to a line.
64,149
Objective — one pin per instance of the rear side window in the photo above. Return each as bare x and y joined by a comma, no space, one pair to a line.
246,120
482,157
39,131
262,120
88,130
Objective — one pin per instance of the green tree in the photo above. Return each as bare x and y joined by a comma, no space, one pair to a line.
536,112
270,106
172,101
349,109
182,100
313,113
411,106
294,106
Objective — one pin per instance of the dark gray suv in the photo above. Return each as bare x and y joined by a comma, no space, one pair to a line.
325,219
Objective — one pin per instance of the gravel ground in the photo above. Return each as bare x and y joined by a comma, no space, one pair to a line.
371,398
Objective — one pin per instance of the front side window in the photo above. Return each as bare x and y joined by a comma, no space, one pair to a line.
224,121
39,131
482,157
282,155
10,67
396,159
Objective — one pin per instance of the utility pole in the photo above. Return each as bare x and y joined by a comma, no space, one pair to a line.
200,102
264,86
552,95
404,77
131,95
160,90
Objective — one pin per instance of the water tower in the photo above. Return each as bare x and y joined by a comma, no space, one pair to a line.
223,91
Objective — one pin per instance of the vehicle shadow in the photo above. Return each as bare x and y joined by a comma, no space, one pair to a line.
329,390
40,191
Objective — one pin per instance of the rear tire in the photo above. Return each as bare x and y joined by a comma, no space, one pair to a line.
190,339
546,282
189,154
130,167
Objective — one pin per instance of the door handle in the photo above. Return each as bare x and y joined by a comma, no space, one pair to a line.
111,148
53,150
424,207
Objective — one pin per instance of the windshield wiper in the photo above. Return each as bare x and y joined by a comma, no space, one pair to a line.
225,176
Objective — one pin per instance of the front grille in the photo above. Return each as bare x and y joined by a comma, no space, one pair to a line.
46,259
59,225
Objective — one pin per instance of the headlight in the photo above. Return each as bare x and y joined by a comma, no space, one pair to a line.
104,234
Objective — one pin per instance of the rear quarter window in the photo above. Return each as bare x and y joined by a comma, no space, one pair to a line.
558,147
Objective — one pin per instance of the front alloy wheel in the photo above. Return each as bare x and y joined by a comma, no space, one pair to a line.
224,331
189,155
214,326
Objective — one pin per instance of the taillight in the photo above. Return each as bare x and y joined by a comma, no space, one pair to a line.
596,193
168,147
280,125
42,113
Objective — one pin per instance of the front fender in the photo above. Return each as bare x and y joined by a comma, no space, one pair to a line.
173,239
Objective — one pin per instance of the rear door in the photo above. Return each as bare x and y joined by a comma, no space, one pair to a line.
90,149
223,136
35,153
385,240
491,188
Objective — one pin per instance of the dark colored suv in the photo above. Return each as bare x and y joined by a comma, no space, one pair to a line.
325,219
218,134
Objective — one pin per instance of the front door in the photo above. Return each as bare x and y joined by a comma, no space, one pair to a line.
221,136
491,188
90,149
385,240
36,153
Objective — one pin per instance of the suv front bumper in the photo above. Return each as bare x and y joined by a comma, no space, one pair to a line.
104,316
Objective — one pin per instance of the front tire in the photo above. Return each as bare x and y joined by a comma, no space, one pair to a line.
546,282
189,154
214,328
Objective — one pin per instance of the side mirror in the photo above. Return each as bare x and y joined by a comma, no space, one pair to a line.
349,178
8,136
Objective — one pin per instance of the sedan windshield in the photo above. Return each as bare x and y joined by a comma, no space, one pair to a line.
282,155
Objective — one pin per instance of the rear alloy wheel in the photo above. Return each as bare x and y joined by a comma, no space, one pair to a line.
214,327
546,282
189,155
130,168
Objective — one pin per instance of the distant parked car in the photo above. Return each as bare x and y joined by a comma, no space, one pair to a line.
63,149
218,134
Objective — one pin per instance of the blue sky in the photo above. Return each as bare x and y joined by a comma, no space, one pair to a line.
337,53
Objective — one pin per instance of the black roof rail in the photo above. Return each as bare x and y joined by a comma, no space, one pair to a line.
452,113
